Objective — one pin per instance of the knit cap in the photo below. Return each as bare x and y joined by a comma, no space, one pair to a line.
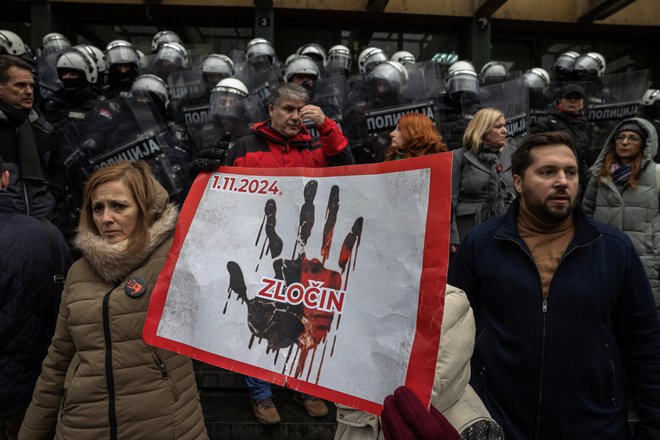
634,127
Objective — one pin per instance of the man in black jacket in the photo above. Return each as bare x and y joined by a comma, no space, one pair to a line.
24,143
29,298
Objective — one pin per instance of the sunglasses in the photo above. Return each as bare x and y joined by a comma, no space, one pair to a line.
632,137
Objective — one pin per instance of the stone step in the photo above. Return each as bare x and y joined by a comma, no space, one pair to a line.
213,378
228,416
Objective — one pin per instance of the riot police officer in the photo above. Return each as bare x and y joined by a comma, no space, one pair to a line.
493,72
564,66
339,61
122,61
460,97
79,93
403,57
163,37
169,58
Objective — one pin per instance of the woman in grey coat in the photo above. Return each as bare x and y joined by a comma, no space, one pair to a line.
482,187
623,191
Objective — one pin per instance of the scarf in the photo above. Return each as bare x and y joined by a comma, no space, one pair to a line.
15,116
26,146
498,198
620,175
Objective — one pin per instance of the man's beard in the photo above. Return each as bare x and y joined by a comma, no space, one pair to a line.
539,209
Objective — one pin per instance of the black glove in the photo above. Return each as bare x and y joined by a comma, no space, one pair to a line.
405,418
207,161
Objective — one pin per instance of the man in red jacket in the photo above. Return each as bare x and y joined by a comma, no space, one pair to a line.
283,141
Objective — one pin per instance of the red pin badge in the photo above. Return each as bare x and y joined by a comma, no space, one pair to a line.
135,287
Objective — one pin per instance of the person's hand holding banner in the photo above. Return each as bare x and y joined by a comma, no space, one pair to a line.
330,280
405,418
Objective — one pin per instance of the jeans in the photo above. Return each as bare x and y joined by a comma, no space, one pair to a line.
257,388
260,389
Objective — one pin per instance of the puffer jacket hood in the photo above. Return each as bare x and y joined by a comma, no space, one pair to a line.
650,148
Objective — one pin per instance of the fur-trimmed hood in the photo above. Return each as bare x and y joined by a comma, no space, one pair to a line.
111,261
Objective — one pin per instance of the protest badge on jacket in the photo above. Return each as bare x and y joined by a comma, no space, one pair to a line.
330,281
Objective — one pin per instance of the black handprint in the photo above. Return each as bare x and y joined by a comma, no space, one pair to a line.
280,323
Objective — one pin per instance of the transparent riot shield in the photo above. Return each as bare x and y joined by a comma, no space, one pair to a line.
131,128
257,76
425,81
227,119
186,88
610,99
47,77
512,99
330,95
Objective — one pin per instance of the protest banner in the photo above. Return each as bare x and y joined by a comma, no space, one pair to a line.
328,280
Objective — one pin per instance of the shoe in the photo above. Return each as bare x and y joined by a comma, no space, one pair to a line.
264,410
314,406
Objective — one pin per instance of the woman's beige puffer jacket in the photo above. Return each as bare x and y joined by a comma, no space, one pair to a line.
121,388
452,395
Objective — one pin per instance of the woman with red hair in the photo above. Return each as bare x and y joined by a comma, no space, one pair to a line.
414,136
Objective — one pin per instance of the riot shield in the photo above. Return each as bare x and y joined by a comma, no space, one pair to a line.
186,88
257,75
425,81
130,129
48,80
330,95
227,119
610,99
512,99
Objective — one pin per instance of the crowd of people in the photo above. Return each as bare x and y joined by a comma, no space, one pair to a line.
549,320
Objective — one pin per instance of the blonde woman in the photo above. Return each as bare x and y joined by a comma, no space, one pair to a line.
482,187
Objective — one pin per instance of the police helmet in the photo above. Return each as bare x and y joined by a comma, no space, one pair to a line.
260,47
590,64
164,37
301,65
462,78
565,63
54,42
460,66
232,85
152,84
537,79
370,58
493,72
391,72
95,54
11,44
174,53
217,63
650,97
339,57
75,59
404,57
313,50
120,52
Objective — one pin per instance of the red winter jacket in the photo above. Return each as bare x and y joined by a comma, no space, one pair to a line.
267,148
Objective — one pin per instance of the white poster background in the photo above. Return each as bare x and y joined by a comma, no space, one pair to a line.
381,297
